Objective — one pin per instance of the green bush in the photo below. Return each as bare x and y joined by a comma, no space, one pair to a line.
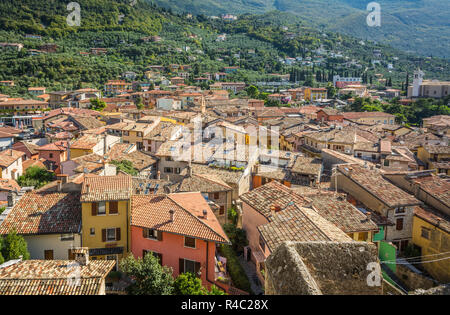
234,268
238,237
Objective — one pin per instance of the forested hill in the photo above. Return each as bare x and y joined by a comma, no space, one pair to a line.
419,26
257,44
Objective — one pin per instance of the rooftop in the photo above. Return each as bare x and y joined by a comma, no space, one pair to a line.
105,188
263,198
51,277
44,213
153,212
374,183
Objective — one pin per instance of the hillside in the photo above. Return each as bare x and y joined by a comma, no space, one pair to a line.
419,26
257,44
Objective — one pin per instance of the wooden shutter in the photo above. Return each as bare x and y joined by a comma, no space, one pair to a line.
144,233
103,235
160,237
160,259
94,208
144,252
71,255
113,207
181,261
197,269
118,234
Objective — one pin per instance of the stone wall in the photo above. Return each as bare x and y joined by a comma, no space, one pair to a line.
314,268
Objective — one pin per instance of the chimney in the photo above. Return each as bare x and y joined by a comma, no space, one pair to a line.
350,172
158,176
172,215
11,152
11,199
81,255
272,209
60,185
87,188
369,215
63,178
205,214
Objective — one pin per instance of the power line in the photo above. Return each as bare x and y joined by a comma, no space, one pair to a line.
416,257
415,263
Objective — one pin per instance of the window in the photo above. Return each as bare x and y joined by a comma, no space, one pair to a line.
189,266
168,170
92,231
399,210
189,242
158,255
67,237
152,234
113,207
222,210
168,159
425,233
51,155
101,208
399,224
48,254
111,234
216,196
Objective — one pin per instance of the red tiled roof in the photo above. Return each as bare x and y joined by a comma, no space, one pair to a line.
153,212
104,188
51,277
271,194
9,156
44,213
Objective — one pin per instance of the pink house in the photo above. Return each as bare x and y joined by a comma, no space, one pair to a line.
181,230
54,154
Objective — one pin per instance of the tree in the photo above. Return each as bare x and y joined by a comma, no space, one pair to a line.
35,176
189,284
149,277
13,246
252,91
97,104
126,167
331,90
238,237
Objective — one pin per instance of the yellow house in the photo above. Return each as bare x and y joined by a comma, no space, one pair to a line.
85,145
313,94
106,202
431,233
436,157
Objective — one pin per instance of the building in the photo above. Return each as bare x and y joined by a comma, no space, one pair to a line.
369,118
213,189
106,202
427,88
439,125
114,87
181,230
11,164
315,94
274,213
341,82
79,276
431,233
50,223
329,114
54,154
367,189
435,157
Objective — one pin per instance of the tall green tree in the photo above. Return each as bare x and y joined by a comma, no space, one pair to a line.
149,277
13,246
97,104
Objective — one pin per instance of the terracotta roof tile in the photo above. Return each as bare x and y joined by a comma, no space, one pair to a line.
104,188
153,212
44,213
